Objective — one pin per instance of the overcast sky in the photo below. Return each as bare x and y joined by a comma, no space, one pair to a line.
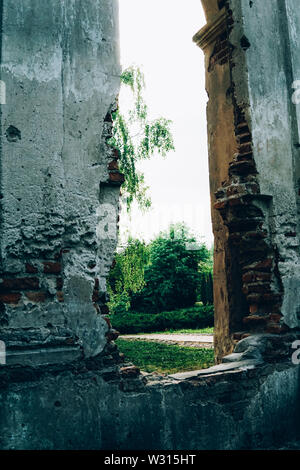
157,36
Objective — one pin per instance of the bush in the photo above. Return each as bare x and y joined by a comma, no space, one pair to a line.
172,274
194,317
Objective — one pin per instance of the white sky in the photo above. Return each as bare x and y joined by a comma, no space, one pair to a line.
157,36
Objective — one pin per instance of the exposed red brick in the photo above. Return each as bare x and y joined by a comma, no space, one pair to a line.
271,297
264,265
113,165
243,127
258,235
116,177
60,296
244,157
253,308
116,153
235,189
257,287
51,267
253,188
255,319
236,201
249,277
11,298
254,298
276,329
112,335
263,276
220,205
36,296
237,336
245,148
31,269
130,371
275,317
244,138
19,283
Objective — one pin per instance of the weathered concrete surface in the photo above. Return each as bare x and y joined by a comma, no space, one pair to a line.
244,407
61,68
275,126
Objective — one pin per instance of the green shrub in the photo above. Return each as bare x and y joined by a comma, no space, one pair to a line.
194,317
172,273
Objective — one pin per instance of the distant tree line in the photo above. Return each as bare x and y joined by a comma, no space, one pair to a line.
163,275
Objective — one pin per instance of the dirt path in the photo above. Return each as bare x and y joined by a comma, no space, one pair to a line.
182,339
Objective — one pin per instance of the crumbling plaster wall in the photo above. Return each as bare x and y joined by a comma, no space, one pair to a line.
276,142
254,165
61,69
250,403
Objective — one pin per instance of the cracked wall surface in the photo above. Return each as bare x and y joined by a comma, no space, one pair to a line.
60,65
254,165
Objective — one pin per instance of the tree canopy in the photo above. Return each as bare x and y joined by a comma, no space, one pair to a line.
161,276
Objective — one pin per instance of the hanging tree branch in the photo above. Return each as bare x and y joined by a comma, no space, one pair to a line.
138,138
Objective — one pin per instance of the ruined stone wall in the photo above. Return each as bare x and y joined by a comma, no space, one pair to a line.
248,402
65,385
254,165
61,70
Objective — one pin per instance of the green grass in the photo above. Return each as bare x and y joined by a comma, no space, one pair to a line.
165,359
203,331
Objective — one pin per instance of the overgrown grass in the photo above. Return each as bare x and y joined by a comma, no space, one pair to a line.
166,359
